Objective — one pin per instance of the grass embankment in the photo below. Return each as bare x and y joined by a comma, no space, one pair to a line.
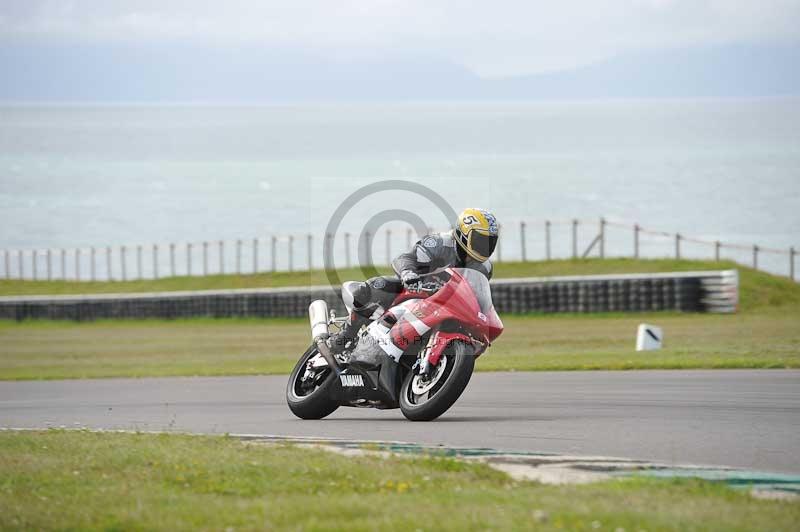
750,278
83,481
765,334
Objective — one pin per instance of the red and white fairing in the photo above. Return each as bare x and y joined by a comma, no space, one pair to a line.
465,299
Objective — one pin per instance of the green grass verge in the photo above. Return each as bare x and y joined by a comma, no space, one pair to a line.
758,289
54,350
95,481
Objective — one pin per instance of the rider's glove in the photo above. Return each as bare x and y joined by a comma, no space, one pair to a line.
410,280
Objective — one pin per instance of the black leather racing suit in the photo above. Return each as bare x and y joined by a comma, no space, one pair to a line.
372,297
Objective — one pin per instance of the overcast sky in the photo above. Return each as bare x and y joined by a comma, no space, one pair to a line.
491,38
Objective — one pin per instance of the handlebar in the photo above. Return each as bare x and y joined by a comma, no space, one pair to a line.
429,287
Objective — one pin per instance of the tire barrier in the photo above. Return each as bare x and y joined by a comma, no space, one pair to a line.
706,291
709,291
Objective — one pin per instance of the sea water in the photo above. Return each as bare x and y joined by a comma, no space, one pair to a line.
106,175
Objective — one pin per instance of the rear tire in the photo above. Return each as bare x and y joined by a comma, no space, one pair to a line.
314,405
461,357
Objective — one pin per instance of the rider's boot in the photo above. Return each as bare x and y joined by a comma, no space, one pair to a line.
339,341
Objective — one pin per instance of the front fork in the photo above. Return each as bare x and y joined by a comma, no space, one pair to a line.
425,356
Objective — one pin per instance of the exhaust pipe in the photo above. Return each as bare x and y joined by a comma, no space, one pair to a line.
318,316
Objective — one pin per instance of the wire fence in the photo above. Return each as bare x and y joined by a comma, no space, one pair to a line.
521,240
582,238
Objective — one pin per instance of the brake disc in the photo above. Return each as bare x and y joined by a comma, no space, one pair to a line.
420,386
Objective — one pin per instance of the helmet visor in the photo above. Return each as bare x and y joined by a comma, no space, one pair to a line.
481,244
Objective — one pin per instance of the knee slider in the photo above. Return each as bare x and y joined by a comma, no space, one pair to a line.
355,294
361,295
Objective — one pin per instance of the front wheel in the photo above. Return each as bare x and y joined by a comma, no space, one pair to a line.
307,391
425,400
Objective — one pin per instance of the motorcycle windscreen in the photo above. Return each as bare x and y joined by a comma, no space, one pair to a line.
491,325
480,287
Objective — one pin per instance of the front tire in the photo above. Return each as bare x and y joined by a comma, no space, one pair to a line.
305,403
459,360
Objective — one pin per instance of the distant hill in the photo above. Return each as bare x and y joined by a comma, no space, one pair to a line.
81,73
732,71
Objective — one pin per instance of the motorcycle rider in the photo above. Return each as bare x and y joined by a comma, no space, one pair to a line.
469,245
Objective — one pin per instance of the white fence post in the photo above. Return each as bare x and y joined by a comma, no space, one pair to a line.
329,246
255,255
273,252
155,261
547,239
347,250
499,244
602,238
291,253
309,247
388,246
367,249
575,239
238,257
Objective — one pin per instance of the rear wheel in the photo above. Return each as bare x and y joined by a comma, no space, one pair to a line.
307,390
427,399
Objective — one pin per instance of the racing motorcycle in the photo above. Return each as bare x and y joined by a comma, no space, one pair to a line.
418,355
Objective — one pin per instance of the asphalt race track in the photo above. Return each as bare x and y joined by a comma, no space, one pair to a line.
741,418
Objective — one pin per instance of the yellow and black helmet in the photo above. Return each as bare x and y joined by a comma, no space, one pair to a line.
476,233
